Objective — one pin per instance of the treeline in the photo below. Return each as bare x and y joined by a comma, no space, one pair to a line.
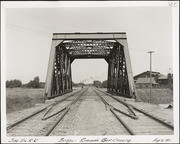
13,83
100,84
96,83
35,83
77,84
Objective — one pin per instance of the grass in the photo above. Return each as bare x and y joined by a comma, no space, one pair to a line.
159,96
21,98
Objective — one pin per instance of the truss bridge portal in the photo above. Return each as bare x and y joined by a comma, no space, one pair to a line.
66,47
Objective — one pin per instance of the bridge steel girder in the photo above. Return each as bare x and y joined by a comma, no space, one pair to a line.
50,70
89,36
120,76
58,79
130,78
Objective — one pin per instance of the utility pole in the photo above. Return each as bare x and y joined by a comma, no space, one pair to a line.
150,74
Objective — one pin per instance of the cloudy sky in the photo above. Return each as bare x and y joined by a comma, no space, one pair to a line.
29,33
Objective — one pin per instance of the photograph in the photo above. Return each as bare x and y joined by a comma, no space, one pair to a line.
90,72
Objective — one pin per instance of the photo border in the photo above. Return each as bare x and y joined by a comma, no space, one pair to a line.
77,139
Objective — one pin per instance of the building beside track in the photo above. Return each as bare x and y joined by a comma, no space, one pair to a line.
142,80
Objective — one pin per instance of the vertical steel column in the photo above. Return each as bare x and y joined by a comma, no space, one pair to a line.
66,81
121,71
112,72
120,80
118,71
70,76
118,76
125,75
61,72
69,79
65,72
56,71
128,69
109,75
50,71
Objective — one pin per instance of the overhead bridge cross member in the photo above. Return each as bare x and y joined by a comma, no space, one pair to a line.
66,47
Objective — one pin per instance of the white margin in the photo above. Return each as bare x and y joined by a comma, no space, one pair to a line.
59,4
175,45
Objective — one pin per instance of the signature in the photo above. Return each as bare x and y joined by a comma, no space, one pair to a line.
161,140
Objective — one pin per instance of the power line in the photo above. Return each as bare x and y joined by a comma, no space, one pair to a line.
27,29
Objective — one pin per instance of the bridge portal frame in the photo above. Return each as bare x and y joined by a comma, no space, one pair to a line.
121,70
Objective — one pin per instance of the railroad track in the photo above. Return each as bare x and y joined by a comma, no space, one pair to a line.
144,123
124,112
66,110
47,121
45,118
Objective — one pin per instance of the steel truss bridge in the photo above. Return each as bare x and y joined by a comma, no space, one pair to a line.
66,47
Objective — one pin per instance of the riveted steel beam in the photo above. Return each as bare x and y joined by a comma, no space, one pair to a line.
91,36
50,71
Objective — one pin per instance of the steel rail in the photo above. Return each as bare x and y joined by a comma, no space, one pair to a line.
122,102
142,111
45,118
59,101
56,123
155,118
123,123
112,110
27,117
67,108
105,102
134,117
37,112
74,101
149,115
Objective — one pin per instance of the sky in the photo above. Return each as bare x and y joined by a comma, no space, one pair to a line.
28,35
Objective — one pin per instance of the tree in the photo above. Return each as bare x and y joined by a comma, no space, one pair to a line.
104,84
80,84
13,83
97,83
74,84
34,83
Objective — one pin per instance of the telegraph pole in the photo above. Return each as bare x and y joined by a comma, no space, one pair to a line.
150,74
